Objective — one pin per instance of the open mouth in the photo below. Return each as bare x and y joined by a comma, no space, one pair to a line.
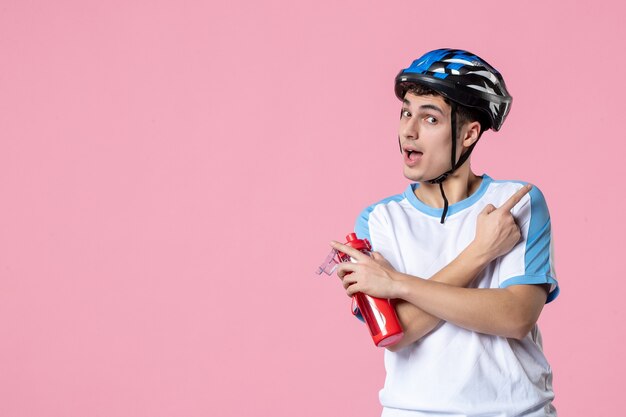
412,155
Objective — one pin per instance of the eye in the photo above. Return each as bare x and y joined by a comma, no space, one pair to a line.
405,113
431,120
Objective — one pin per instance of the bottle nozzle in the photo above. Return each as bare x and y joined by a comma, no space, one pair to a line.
329,265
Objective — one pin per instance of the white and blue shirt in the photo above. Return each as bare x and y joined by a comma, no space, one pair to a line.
453,371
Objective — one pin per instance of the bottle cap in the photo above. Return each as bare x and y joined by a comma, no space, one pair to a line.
356,243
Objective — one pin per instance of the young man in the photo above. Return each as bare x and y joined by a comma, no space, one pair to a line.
467,258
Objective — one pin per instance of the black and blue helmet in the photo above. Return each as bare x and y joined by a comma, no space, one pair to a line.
461,77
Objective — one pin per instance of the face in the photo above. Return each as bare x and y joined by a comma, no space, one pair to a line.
425,137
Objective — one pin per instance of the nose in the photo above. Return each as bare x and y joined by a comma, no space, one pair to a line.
409,128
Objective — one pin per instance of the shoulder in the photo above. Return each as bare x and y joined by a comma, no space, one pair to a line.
534,202
504,186
385,202
375,212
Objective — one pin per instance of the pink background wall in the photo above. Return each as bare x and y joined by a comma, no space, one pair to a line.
171,173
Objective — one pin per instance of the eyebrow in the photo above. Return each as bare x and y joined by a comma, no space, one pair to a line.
426,106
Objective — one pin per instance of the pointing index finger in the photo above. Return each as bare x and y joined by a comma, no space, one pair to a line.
515,198
348,250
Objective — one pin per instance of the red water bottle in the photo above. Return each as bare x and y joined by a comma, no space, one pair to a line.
378,313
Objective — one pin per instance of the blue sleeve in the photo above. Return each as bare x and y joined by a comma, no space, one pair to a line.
361,227
532,260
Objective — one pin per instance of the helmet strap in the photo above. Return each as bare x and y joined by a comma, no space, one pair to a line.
454,163
453,123
440,179
445,202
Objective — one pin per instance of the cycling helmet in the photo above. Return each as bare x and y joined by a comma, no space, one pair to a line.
464,79
461,77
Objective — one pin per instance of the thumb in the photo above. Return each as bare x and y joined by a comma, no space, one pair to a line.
376,255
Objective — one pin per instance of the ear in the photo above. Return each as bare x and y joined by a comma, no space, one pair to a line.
470,134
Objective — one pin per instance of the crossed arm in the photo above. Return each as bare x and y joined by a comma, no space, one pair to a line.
423,304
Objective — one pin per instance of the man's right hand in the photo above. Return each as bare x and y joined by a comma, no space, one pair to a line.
496,230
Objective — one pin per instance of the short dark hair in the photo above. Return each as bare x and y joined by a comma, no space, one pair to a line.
464,114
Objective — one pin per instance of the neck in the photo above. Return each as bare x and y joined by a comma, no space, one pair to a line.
458,186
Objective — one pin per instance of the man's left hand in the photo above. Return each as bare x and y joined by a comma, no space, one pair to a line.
372,275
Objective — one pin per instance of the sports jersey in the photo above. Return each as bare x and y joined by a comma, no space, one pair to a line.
453,371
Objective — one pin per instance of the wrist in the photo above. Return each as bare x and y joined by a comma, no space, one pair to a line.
476,255
398,288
